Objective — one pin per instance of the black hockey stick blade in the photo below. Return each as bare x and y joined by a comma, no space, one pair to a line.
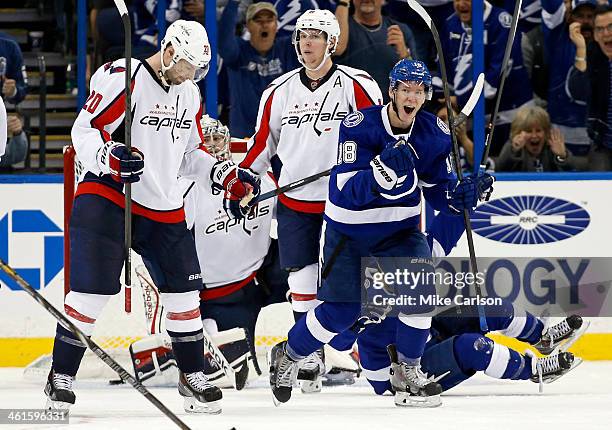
505,71
292,186
92,345
471,103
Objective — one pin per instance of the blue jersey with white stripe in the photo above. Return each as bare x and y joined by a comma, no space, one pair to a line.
355,206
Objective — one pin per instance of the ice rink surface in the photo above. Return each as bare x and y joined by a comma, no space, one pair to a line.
581,400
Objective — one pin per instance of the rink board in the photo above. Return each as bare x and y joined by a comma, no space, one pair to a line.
31,237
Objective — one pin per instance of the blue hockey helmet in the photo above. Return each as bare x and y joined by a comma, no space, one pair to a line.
411,71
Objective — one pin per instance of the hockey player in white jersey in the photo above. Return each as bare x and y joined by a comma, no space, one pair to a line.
297,126
387,155
166,108
233,293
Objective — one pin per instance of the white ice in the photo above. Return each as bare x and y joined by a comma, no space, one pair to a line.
581,400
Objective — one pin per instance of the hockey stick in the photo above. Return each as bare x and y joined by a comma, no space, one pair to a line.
92,345
457,161
505,71
292,186
127,29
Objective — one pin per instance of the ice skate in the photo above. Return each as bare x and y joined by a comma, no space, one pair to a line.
200,396
548,369
560,336
59,392
310,372
411,385
283,373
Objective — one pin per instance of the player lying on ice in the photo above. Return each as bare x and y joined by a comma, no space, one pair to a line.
233,293
166,109
386,156
457,348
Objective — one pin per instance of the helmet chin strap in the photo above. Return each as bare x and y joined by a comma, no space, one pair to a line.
164,69
394,104
325,57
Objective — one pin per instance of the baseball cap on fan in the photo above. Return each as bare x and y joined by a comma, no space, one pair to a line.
255,8
576,3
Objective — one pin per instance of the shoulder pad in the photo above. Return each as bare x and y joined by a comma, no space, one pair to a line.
353,119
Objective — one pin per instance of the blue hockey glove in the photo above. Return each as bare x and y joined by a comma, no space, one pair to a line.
124,166
391,167
240,188
469,191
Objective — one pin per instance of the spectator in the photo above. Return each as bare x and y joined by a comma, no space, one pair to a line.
439,10
591,81
3,128
13,78
534,146
16,144
466,145
253,65
566,112
145,19
457,45
371,41
530,16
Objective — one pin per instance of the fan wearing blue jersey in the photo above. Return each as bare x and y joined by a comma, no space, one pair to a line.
387,155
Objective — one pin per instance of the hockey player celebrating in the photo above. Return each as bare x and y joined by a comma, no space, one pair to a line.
298,122
386,155
166,108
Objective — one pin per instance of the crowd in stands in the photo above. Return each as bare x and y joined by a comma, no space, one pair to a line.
555,113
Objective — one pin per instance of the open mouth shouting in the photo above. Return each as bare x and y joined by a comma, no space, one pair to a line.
409,109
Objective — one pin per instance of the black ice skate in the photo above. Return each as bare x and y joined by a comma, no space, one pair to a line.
548,369
283,373
200,396
562,335
411,385
310,372
59,391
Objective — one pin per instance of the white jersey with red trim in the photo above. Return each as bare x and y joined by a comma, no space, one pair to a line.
299,120
229,250
165,127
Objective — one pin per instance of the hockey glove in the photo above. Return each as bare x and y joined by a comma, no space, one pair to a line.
469,191
391,167
123,166
239,186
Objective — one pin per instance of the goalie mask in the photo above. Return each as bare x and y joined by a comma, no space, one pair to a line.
216,138
322,20
190,43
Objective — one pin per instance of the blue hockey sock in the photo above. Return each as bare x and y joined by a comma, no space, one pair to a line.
188,348
320,326
344,341
67,352
411,336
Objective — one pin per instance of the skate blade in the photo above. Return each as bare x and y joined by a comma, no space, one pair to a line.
311,387
54,405
192,406
577,362
562,347
406,400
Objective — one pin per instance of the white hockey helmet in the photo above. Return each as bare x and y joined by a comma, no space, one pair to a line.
190,42
217,137
318,19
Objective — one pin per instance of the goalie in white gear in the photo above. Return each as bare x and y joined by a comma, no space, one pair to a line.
236,284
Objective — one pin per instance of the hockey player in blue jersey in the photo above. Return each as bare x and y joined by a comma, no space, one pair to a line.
458,348
456,37
386,156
